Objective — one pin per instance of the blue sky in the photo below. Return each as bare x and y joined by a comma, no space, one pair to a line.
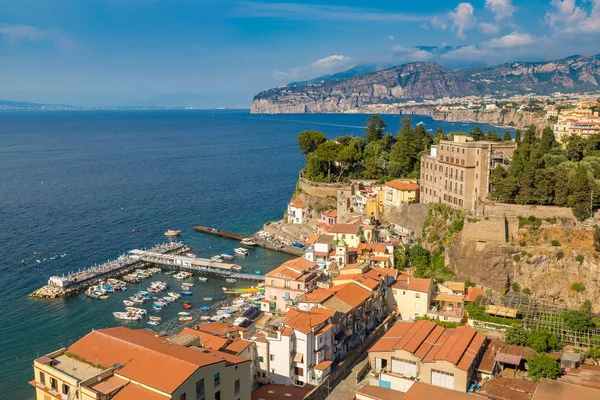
222,52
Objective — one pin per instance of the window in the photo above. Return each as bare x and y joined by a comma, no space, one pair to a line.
218,395
200,389
417,295
272,357
182,397
261,359
42,378
65,389
236,386
286,284
299,286
416,306
217,379
54,384
403,292
299,371
272,282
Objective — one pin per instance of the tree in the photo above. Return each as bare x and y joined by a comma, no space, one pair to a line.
507,137
581,194
477,134
308,141
586,306
439,136
596,238
492,136
346,157
575,148
544,186
542,341
543,366
561,189
518,136
530,135
375,128
516,335
547,141
327,153
579,321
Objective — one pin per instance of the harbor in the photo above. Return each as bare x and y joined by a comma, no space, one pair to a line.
258,239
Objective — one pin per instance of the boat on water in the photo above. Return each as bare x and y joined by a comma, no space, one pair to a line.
136,310
191,255
257,272
248,242
153,323
204,318
202,279
205,308
128,316
241,251
188,284
181,275
227,256
128,303
157,307
170,272
217,258
103,297
186,293
187,306
154,318
183,314
236,267
173,294
185,319
230,280
208,299
172,233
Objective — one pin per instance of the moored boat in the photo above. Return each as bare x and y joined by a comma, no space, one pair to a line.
154,318
128,303
136,310
186,293
205,308
202,279
172,233
185,319
208,299
183,314
230,280
187,306
127,316
241,251
236,267
227,256
248,242
153,323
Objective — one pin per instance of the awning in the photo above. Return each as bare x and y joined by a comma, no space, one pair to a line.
511,359
298,358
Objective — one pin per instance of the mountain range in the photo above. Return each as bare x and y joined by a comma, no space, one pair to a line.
349,90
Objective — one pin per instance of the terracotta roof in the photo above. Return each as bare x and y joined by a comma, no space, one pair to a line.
305,321
287,331
325,239
323,365
324,329
110,385
206,339
557,390
281,392
457,286
416,284
292,269
136,392
319,295
150,360
473,293
404,186
421,391
298,203
236,346
351,294
378,393
345,228
219,328
501,388
312,239
431,343
332,214
366,281
380,273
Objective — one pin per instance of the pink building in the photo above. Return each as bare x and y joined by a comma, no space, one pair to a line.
286,283
329,217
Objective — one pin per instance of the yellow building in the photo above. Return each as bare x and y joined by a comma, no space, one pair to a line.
349,233
410,296
401,191
124,364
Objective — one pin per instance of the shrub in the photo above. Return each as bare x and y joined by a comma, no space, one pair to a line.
580,259
468,283
578,287
550,220
543,366
517,258
560,255
515,287
526,291
516,335
542,341
593,352
522,242
579,321
555,243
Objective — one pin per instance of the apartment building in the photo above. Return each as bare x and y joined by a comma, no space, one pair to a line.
432,354
410,296
457,172
401,191
297,212
121,364
286,283
349,233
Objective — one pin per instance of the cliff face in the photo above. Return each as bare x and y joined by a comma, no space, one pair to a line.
426,80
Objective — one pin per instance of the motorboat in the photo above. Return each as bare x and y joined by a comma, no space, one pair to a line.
190,255
187,306
128,316
236,267
217,259
185,319
205,308
136,310
230,280
202,279
186,293
208,299
157,307
153,323
187,284
128,303
241,251
173,294
227,256
172,233
154,318
205,318
184,314
181,275
257,272
248,242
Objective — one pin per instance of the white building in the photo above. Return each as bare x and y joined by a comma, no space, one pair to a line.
297,212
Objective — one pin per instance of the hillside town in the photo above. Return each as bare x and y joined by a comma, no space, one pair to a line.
376,308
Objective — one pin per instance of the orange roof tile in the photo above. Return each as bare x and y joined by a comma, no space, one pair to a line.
332,214
293,269
305,321
236,346
319,295
404,186
219,328
206,339
298,203
379,273
136,392
287,331
351,294
366,281
323,365
473,293
416,284
345,228
324,329
312,239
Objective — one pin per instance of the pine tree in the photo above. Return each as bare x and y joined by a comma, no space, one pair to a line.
581,193
507,137
527,183
530,135
561,186
547,141
375,128
544,186
477,134
518,136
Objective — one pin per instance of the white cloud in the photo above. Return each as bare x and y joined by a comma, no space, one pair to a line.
501,9
489,28
566,14
327,65
409,54
462,19
391,37
512,40
439,23
14,34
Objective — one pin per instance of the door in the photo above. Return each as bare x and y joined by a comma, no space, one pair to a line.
404,367
442,379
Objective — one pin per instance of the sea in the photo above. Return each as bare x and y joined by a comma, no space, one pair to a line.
78,188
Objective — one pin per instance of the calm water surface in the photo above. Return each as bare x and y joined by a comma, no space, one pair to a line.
64,177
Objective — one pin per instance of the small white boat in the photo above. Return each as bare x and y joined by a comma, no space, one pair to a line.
241,251
202,279
184,314
181,275
185,319
187,284
153,323
230,280
154,318
216,258
205,318
136,310
236,267
172,233
128,303
208,299
127,316
175,295
248,242
191,255
227,256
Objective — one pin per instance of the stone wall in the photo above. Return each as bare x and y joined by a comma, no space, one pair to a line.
515,210
410,216
319,189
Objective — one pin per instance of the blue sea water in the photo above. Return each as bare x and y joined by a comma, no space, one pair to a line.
65,176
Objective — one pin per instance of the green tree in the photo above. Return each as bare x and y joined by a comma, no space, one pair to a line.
328,154
346,157
581,194
308,141
586,306
561,188
373,169
492,136
575,148
543,366
439,136
518,136
504,187
542,341
375,128
544,186
579,321
516,335
530,135
477,134
547,141
527,183
596,238
507,137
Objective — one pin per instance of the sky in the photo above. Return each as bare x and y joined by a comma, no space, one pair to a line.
215,53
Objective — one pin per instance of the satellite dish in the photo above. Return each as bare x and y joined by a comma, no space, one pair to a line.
98,378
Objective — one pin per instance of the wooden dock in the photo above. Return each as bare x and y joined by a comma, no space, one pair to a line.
212,231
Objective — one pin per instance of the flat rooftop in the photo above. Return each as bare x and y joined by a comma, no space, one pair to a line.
75,368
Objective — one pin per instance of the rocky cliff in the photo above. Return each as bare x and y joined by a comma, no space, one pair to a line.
427,80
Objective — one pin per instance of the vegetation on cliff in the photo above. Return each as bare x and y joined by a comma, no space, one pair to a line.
542,172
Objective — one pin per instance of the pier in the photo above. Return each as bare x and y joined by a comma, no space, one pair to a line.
265,244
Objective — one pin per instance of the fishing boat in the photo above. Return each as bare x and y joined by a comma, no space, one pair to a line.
154,318
170,272
227,256
236,267
188,284
128,303
186,293
185,319
241,251
172,233
202,279
91,293
187,306
173,294
153,323
248,242
181,275
230,280
208,299
136,310
127,316
257,272
183,314
157,307
191,255
103,297
205,308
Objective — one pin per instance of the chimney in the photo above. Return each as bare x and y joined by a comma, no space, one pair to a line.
408,280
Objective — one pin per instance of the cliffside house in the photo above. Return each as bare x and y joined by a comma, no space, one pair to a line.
321,250
377,254
457,172
448,302
401,191
410,296
286,283
349,233
297,212
432,354
121,363
329,217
